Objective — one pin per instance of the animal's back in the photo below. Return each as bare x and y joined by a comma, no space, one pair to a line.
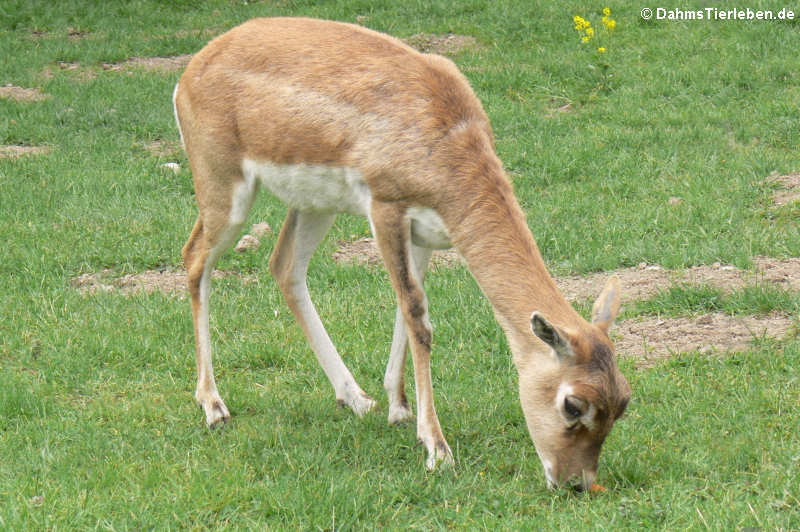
291,91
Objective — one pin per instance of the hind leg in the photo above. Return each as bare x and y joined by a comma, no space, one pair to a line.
214,233
301,234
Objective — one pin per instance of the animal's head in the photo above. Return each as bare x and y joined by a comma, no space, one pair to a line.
571,401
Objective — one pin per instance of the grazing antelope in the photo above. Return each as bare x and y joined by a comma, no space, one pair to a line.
333,117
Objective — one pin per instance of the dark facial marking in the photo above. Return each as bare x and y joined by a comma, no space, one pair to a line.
601,358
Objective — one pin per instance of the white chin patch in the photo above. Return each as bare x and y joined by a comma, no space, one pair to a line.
548,471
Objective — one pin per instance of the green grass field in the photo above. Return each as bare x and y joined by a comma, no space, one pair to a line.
98,425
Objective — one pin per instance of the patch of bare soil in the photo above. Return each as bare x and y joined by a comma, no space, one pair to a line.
21,94
645,281
784,273
75,69
12,152
161,64
638,283
166,281
450,44
162,148
76,34
73,34
559,108
65,65
651,340
364,251
789,188
205,32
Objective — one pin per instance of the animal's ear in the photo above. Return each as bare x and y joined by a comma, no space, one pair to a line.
551,335
606,307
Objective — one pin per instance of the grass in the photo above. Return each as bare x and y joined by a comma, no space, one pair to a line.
682,300
98,429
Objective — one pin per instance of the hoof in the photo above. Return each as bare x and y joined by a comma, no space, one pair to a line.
399,414
439,454
217,416
216,412
360,404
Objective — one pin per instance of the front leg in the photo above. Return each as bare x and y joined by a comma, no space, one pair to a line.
393,381
392,231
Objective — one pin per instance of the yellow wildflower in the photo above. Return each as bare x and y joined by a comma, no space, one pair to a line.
585,29
602,49
580,23
609,23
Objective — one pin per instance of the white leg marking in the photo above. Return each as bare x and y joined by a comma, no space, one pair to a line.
429,430
309,232
393,381
206,393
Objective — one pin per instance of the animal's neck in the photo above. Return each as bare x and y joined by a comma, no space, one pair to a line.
489,229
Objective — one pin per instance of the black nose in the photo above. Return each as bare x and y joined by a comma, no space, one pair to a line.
577,486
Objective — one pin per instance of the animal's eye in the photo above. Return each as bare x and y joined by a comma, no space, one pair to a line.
571,408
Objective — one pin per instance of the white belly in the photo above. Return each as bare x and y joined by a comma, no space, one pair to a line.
314,188
318,188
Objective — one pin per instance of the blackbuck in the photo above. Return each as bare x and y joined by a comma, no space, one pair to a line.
333,117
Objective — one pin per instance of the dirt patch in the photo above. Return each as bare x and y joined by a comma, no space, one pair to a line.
75,69
789,188
73,34
165,281
784,273
653,339
12,152
646,280
150,64
364,251
638,283
450,44
21,94
205,32
162,148
559,108
66,65
153,64
76,34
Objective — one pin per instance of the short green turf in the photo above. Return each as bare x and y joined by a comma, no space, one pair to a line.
98,426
